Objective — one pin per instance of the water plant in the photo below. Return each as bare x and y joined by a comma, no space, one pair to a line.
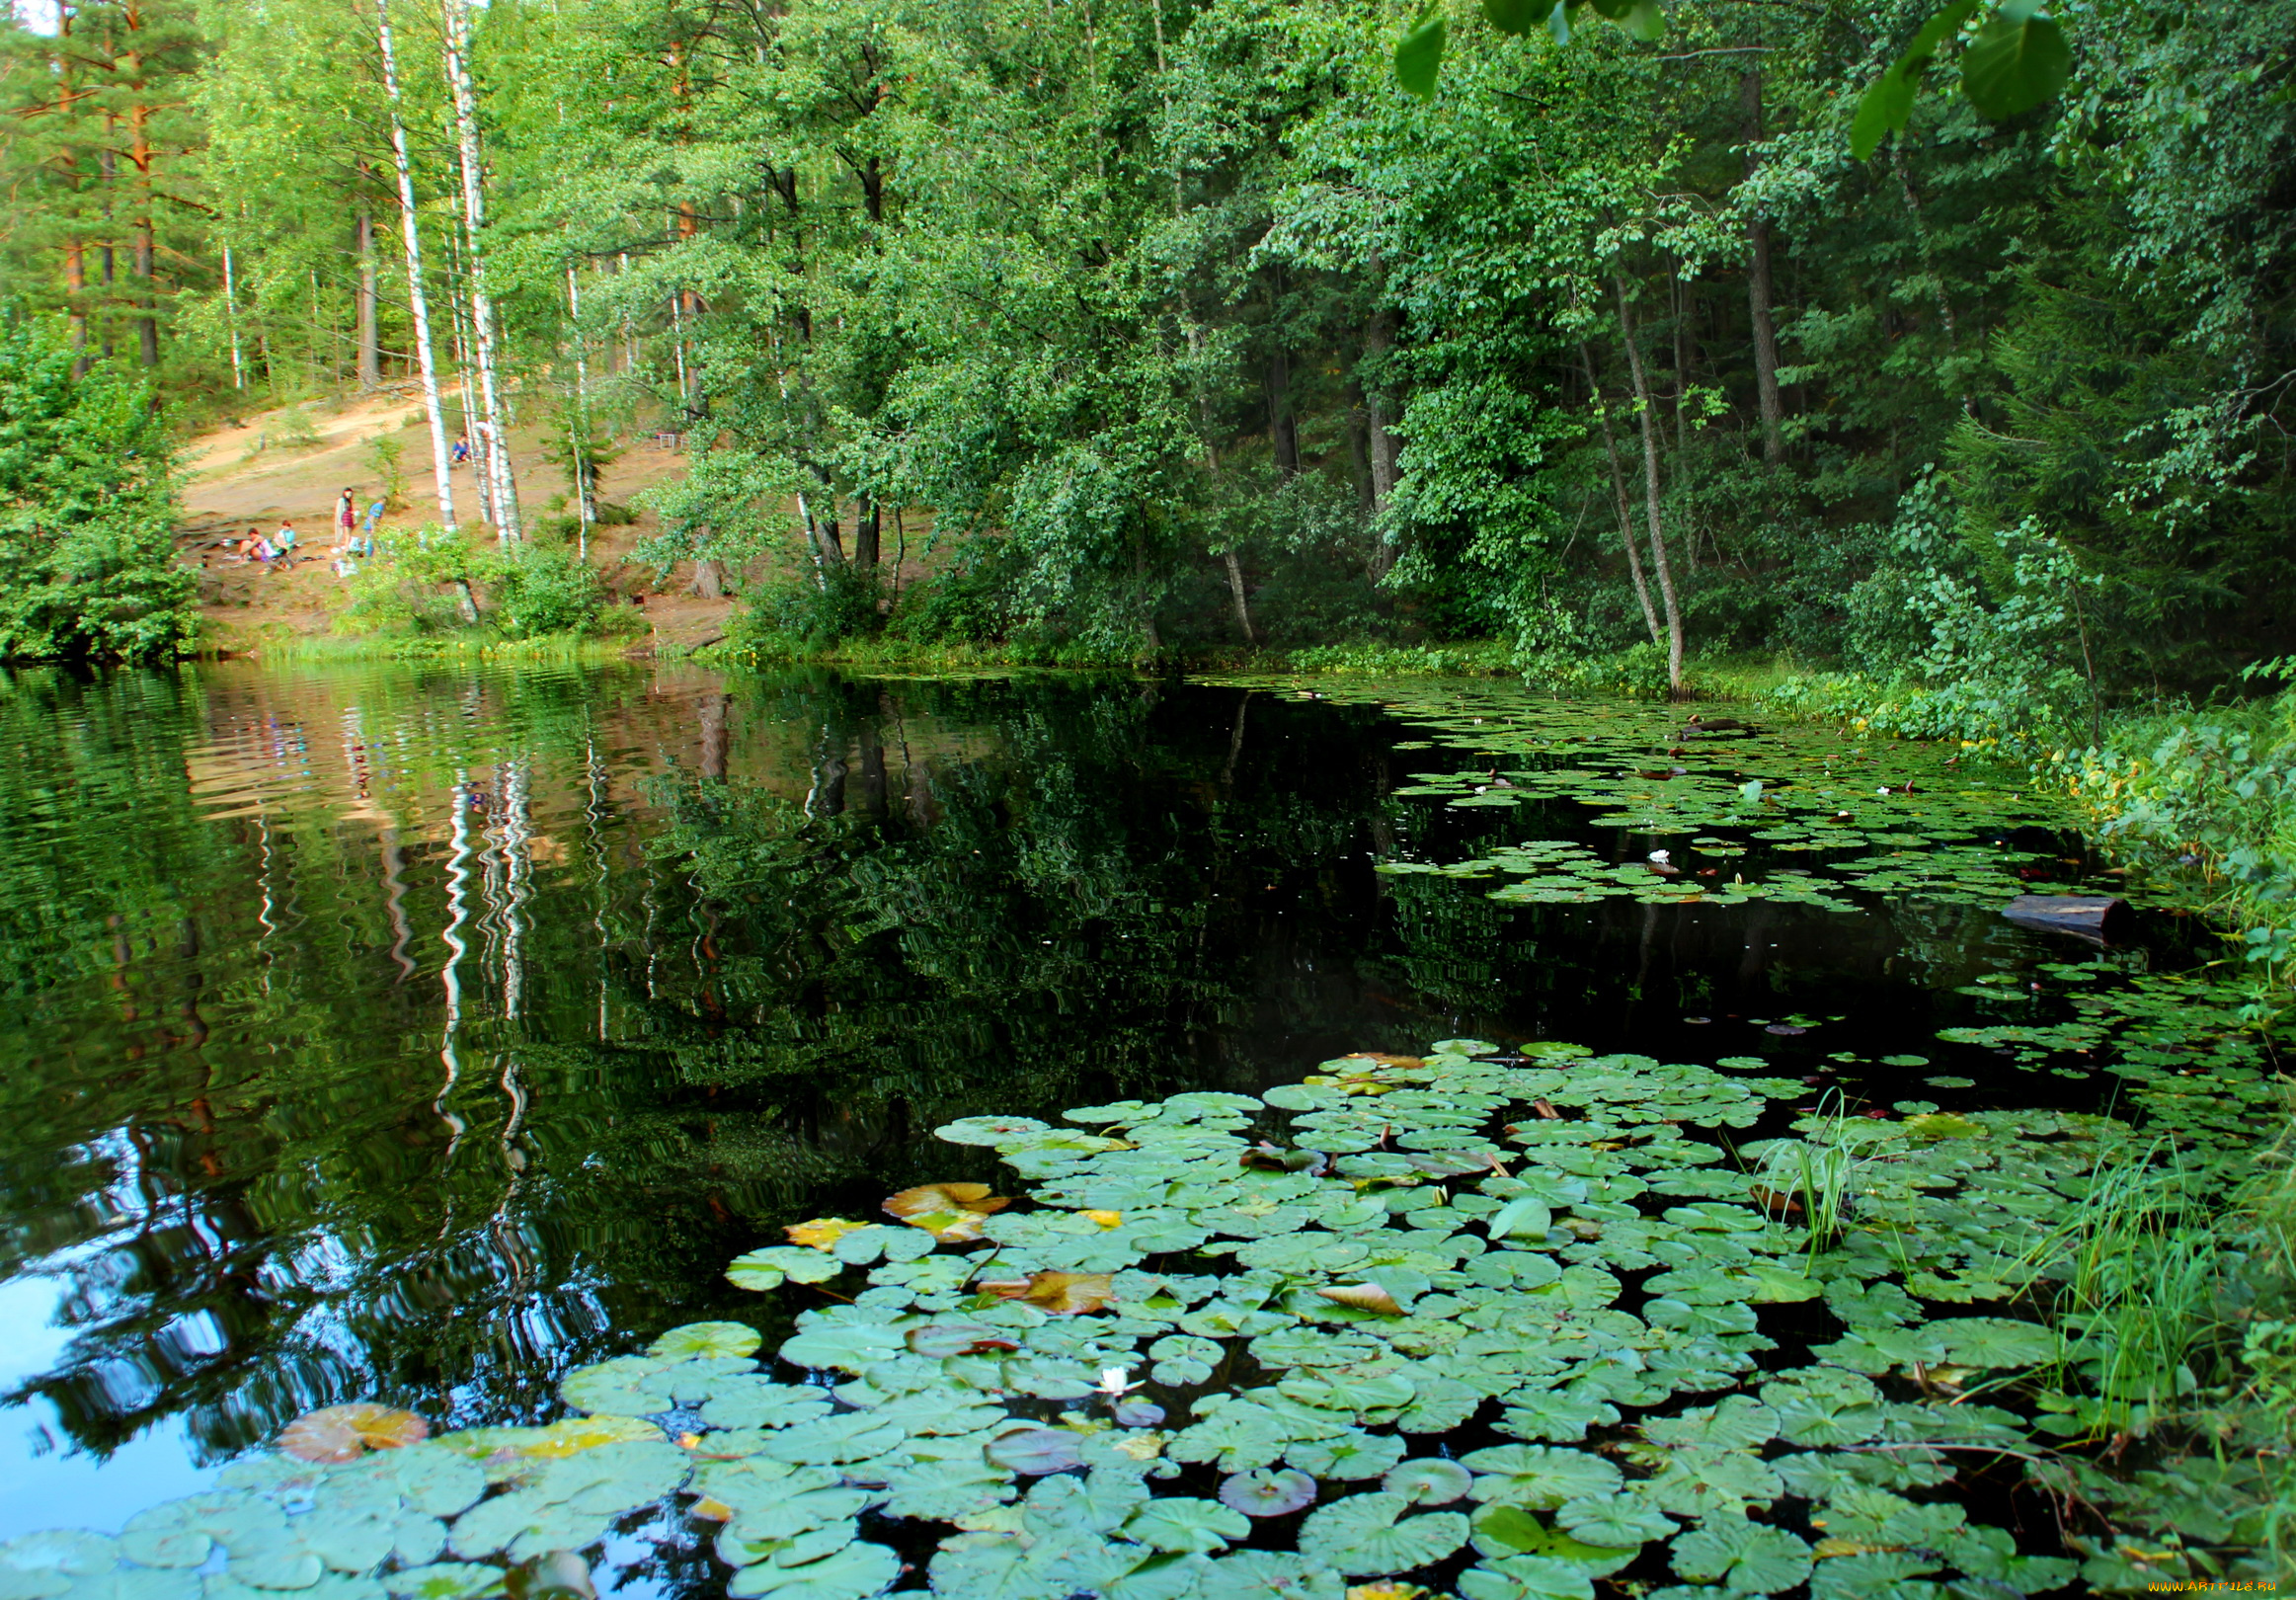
1504,1325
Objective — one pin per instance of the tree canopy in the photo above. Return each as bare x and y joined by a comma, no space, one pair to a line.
1182,326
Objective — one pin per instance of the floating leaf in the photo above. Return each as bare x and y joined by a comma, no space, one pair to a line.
951,1212
1353,1454
1180,1524
706,1339
1748,1558
1429,1480
937,1342
1059,1294
1933,1125
769,1267
1539,1476
1368,1297
556,1442
854,1573
1612,1520
1262,1492
1036,1451
446,1581
851,1346
346,1432
1366,1535
991,1130
822,1233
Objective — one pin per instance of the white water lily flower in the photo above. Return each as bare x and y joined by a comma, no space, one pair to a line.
1116,1381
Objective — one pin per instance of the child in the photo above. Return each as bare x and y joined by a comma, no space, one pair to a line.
250,545
283,543
346,520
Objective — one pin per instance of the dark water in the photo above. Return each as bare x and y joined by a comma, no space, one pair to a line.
420,1036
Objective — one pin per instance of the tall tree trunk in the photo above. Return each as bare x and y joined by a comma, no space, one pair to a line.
1283,426
481,471
1235,593
502,480
418,301
144,252
1758,295
1650,486
578,426
369,323
868,532
60,63
231,320
1625,510
76,290
1379,338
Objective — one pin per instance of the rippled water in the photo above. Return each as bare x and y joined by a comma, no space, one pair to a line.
420,1034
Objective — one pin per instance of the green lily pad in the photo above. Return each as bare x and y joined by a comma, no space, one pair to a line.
1373,1534
1539,1476
717,1339
770,1267
1266,1492
1182,1524
854,1573
1746,1556
1429,1480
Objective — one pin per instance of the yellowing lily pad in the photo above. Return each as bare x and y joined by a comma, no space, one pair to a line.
347,1432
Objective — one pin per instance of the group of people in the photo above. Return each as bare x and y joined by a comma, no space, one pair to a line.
352,539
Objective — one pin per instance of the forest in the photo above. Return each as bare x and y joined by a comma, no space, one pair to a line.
1175,329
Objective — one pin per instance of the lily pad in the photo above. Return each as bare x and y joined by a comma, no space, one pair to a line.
1266,1492
1180,1524
1372,1535
706,1339
1429,1480
854,1573
1032,1452
347,1432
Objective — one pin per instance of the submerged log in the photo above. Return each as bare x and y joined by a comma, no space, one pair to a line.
2086,916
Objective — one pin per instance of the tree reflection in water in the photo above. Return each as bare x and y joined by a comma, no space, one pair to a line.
419,1034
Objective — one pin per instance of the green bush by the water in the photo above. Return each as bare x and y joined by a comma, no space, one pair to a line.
88,561
430,582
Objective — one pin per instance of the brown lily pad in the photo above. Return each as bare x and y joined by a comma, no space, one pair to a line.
951,1212
346,1432
1059,1294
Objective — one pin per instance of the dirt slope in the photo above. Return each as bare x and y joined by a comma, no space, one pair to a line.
240,478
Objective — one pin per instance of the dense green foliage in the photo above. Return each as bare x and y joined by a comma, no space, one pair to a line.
87,500
1184,327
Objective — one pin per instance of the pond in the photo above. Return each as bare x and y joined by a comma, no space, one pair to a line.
425,1036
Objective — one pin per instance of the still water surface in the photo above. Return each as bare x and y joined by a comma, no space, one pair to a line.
418,1035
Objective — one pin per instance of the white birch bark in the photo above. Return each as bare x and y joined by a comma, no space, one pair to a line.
418,302
482,315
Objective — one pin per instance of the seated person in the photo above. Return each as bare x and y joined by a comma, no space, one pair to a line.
283,542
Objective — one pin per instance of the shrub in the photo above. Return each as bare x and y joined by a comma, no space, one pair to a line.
807,611
87,509
537,590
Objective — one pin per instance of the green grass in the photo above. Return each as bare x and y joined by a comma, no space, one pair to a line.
475,644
